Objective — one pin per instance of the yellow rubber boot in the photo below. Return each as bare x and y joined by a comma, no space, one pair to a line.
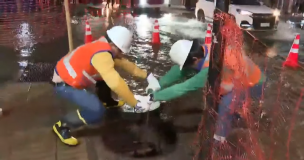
64,134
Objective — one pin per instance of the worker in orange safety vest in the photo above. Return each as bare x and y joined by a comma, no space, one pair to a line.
86,66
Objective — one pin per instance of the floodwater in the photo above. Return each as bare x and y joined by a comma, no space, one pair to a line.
280,41
31,46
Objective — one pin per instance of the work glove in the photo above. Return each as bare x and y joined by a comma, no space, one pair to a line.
139,108
153,84
149,100
144,104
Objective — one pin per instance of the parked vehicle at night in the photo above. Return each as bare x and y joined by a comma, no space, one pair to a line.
150,3
249,14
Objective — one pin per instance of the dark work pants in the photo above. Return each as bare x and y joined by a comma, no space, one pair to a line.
104,93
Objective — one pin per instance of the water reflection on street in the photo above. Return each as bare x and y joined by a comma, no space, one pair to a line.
24,26
36,32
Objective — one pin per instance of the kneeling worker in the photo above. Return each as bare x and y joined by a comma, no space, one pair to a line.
82,67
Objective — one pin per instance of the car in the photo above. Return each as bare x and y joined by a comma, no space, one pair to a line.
150,3
249,14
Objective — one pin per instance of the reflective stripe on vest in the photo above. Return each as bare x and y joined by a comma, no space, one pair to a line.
72,72
68,66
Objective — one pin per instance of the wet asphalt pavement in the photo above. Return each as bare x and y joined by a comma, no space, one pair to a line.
31,47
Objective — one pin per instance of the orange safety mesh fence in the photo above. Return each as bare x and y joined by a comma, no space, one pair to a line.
263,127
270,138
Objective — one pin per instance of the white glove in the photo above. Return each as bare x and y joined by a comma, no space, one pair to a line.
153,84
143,105
137,109
146,103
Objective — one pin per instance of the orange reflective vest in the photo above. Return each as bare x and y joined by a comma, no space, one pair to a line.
238,72
76,69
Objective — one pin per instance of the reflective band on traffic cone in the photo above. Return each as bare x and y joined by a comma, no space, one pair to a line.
293,56
155,34
208,38
88,33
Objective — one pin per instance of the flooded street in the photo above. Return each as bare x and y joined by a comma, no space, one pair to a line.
31,45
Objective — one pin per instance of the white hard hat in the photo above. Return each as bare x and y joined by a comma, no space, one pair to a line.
121,37
180,51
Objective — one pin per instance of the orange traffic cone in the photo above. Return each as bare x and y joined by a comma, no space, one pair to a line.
208,38
293,56
88,33
155,34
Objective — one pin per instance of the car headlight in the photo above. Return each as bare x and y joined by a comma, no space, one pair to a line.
143,2
276,12
242,12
